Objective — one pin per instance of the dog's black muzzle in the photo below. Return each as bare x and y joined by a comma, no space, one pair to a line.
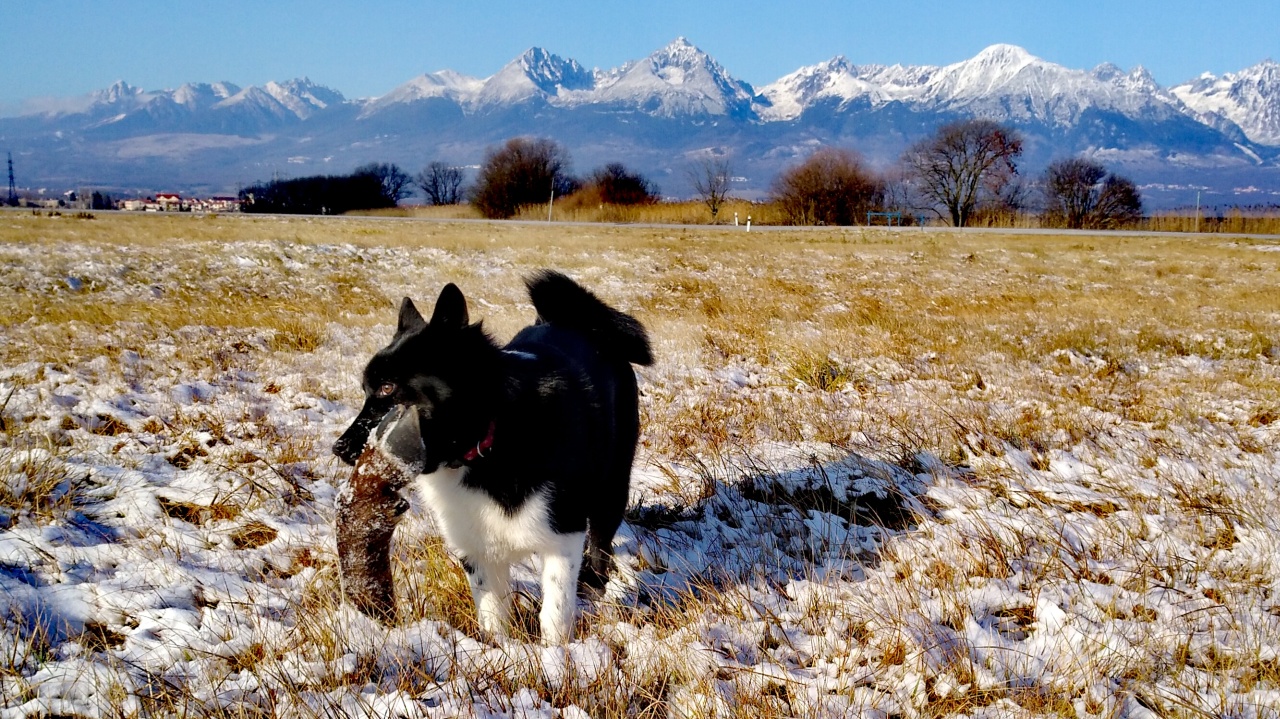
351,443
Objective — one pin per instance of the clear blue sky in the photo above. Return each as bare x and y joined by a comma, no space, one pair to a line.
365,49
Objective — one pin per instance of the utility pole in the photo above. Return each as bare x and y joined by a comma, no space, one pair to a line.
12,199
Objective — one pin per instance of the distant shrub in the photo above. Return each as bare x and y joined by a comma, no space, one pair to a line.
832,187
616,185
1079,193
522,172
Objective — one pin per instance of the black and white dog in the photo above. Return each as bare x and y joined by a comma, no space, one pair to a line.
527,449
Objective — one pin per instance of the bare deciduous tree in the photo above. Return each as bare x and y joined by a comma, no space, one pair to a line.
832,187
395,182
710,179
441,184
1119,202
1080,194
1071,191
964,164
523,172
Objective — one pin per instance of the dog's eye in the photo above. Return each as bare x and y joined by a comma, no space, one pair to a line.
386,389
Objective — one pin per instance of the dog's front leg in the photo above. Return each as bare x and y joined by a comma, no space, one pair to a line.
491,592
560,569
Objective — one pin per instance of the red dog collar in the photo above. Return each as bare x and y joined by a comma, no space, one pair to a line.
481,447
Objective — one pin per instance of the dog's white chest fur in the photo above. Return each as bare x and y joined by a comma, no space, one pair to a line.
478,527
490,539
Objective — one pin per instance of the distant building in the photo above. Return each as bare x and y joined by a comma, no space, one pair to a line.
214,204
173,202
169,201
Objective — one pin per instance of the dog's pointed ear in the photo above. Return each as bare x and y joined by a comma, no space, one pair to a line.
451,308
410,318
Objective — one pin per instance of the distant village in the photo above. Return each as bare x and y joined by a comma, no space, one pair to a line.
173,202
160,202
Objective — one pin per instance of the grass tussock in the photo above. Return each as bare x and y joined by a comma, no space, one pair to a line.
36,478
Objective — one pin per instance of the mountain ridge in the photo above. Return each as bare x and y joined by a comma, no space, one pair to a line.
660,108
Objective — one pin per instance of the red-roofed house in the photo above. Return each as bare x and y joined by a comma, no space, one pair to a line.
169,201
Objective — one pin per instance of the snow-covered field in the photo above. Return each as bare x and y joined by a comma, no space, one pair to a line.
882,475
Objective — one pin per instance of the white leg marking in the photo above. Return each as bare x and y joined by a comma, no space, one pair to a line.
491,591
560,567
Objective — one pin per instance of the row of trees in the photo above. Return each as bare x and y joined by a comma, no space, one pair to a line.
520,173
524,172
965,169
369,187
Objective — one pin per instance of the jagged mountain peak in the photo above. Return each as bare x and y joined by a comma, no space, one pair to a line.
197,95
995,65
679,52
536,73
833,66
1107,72
117,92
684,57
321,95
1267,71
676,80
303,97
442,84
1003,55
1139,81
263,105
997,71
837,63
1249,98
834,78
550,72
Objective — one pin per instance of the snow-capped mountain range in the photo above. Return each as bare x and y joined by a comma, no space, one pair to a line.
1003,82
660,112
1250,99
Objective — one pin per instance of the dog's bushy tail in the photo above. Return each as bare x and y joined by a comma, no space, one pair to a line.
563,302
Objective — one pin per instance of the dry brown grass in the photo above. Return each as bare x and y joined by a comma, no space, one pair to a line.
661,213
691,212
967,309
428,212
966,347
576,208
1234,221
